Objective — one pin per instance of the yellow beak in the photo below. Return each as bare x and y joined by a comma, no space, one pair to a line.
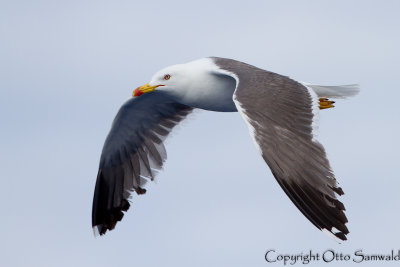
144,89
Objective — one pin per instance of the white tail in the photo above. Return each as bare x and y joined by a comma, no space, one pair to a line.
339,91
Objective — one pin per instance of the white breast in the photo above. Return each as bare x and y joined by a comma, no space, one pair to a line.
214,93
201,86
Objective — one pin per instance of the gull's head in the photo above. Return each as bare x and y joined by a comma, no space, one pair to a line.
179,79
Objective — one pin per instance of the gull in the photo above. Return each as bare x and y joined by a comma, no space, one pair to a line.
282,117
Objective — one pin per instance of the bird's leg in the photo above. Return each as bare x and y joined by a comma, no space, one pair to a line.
325,103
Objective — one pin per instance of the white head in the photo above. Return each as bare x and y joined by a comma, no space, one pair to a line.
176,80
194,83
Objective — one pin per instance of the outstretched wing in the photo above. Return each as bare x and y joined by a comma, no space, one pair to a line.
133,149
279,113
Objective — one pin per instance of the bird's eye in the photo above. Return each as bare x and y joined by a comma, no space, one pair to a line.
167,77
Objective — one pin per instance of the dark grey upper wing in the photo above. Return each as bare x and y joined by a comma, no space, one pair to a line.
133,150
279,113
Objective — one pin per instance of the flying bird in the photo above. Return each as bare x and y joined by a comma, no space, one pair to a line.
281,115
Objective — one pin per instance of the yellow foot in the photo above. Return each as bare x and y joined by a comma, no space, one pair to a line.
325,103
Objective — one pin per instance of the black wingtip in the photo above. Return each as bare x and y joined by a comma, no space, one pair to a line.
341,236
106,214
109,218
323,211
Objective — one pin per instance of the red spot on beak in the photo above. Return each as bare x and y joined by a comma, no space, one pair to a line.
137,92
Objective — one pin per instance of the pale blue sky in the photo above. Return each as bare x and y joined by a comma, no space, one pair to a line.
67,66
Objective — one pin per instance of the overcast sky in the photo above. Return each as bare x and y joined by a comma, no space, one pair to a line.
67,66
